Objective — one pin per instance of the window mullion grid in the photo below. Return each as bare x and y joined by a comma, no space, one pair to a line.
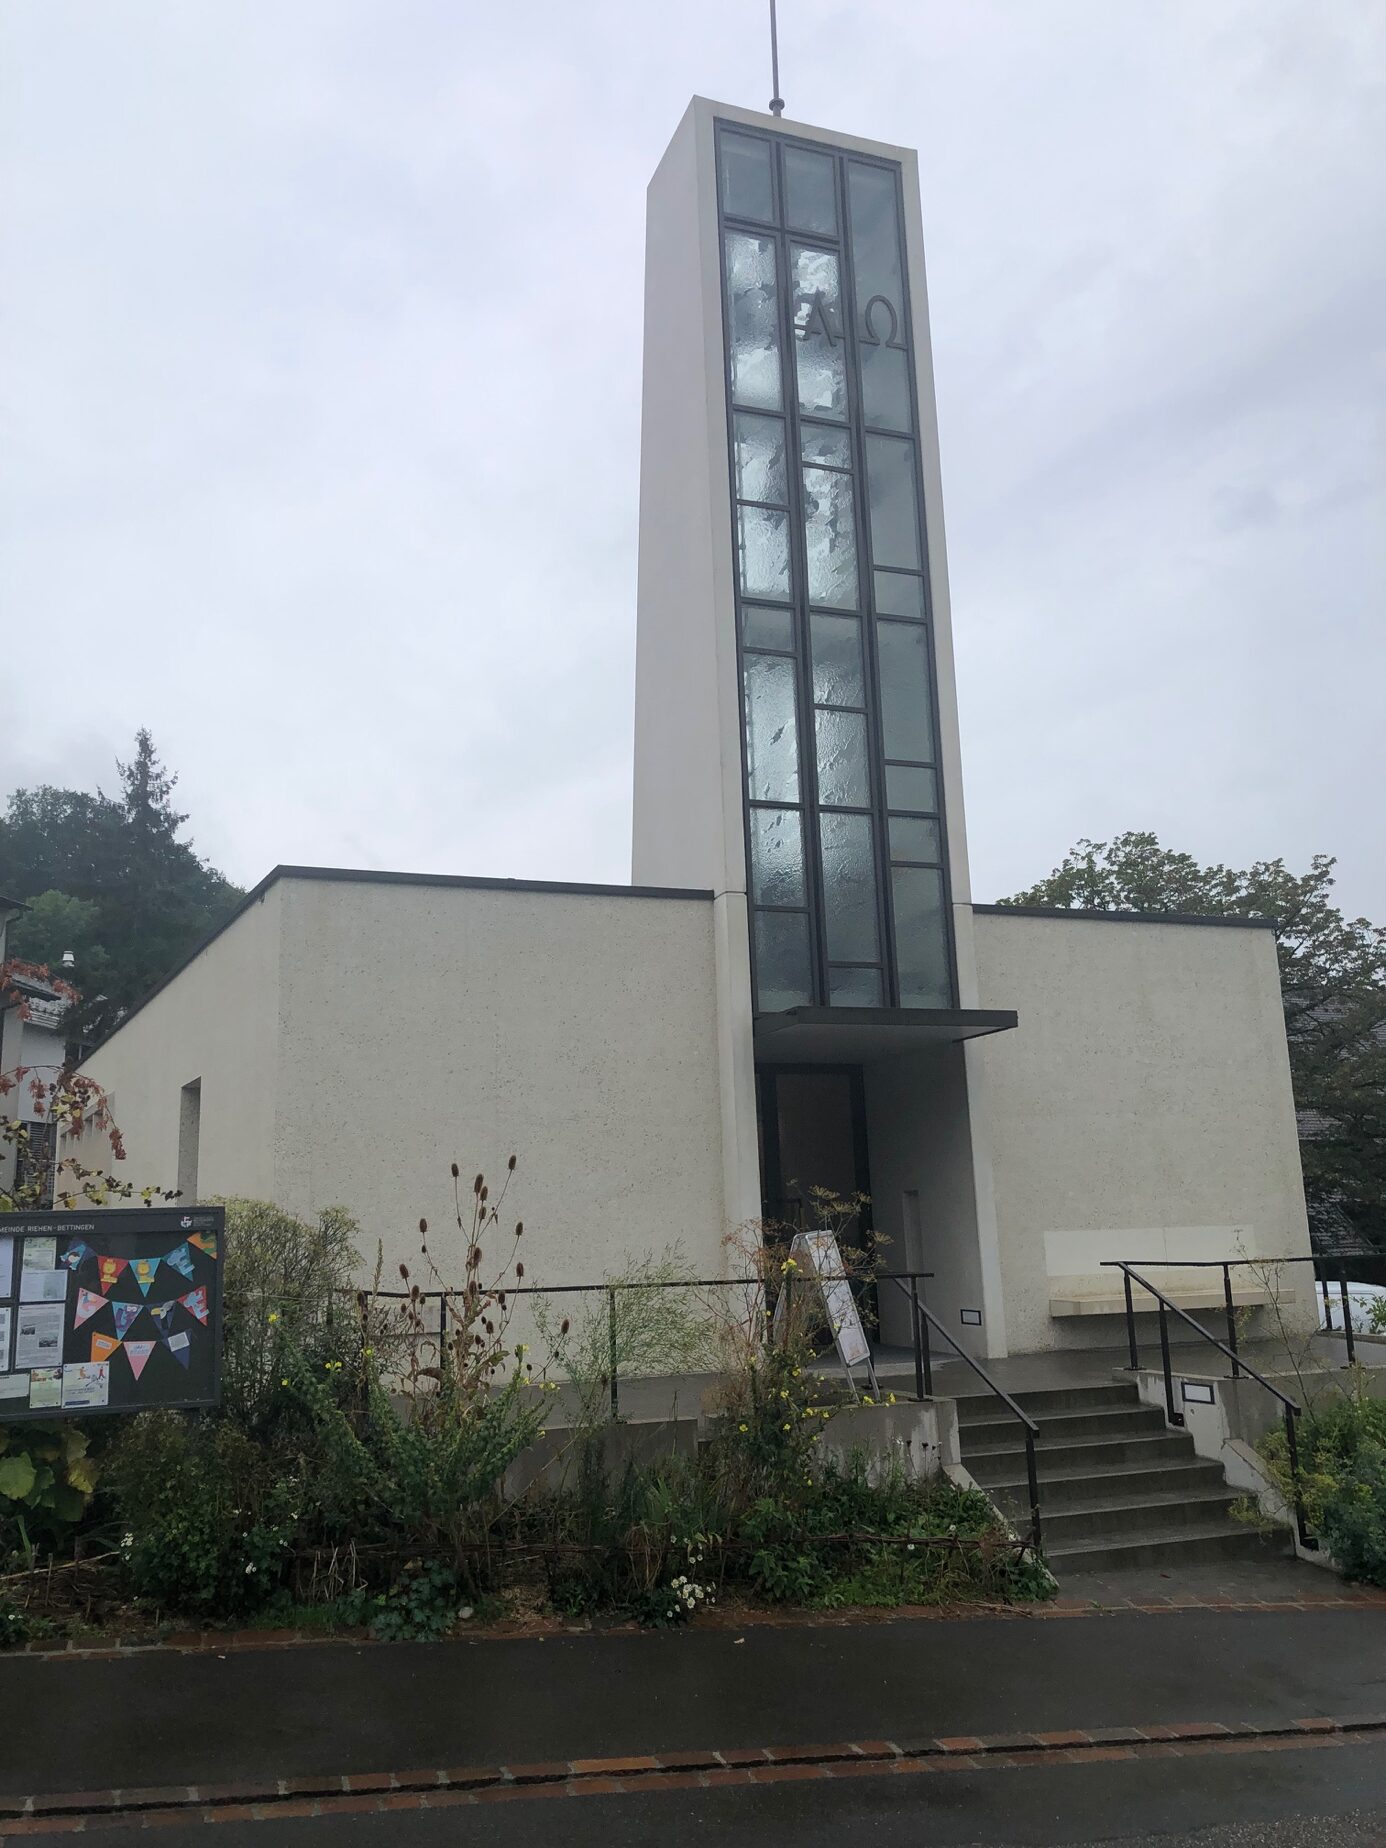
885,904
798,592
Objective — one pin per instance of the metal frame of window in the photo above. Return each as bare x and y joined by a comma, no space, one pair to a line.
784,237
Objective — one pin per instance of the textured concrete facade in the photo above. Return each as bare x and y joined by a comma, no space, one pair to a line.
1147,1087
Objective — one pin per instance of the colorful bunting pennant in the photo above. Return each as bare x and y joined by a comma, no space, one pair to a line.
179,1347
88,1302
195,1302
146,1270
125,1315
205,1241
163,1318
108,1271
103,1346
181,1260
137,1353
77,1252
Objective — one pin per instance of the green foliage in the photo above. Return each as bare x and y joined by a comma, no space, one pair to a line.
647,1327
18,1626
420,1606
286,1289
208,1513
152,897
56,923
47,1479
1342,1479
1332,978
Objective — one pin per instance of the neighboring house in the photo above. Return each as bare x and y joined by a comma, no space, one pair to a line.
31,1020
797,990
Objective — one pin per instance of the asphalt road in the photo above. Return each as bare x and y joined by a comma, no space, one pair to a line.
167,1718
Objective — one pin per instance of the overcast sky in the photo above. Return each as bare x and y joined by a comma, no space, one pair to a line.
321,368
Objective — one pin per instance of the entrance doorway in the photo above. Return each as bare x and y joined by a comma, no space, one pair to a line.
812,1135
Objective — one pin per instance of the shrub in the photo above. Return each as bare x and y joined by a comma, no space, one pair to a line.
46,1482
1342,1479
208,1513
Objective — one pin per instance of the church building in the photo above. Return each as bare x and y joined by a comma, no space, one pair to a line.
797,989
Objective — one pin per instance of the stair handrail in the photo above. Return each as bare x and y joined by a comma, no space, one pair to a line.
1290,1408
920,1314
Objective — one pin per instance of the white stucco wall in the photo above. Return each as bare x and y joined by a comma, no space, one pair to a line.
427,1023
1146,1087
215,1021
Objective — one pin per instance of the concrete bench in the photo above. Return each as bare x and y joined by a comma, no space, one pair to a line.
1079,1285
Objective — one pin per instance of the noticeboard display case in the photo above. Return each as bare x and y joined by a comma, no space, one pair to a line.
110,1310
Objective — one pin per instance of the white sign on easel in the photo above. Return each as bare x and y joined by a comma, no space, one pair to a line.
816,1254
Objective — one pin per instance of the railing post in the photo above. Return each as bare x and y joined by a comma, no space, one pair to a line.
1292,1450
788,1305
1327,1306
1347,1318
1231,1318
1032,1476
442,1330
915,1320
1131,1322
611,1352
1175,1418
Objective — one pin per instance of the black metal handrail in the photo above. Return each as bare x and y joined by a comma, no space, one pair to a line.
1290,1408
920,1316
612,1289
1227,1266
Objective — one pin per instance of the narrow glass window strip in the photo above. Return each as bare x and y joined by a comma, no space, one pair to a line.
753,322
912,786
916,838
921,937
747,179
849,887
763,552
772,733
854,987
893,499
810,192
771,628
777,857
759,459
843,779
825,446
875,240
830,539
837,672
899,594
783,977
820,351
907,726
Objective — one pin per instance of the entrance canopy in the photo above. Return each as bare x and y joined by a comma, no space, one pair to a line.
863,1035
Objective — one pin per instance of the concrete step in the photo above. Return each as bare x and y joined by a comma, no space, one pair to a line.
1169,1548
1180,1477
984,1407
1107,1424
1136,1452
1102,1520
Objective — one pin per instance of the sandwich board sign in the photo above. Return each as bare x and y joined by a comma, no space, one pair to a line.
110,1310
816,1254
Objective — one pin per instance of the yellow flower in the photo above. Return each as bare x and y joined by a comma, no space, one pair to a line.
743,1427
273,1316
283,1382
368,1352
891,1399
866,1399
786,1427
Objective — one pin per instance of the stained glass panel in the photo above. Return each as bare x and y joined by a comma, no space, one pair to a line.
753,318
772,743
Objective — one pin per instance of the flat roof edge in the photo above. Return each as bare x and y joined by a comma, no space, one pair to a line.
1124,917
359,876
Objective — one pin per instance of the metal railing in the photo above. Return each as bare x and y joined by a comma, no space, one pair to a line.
922,1319
769,1287
1227,1266
1290,1408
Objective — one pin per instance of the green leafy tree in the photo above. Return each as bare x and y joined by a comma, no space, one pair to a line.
1332,980
109,878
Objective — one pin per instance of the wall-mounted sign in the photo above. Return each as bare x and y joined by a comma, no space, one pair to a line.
971,1318
110,1310
1196,1392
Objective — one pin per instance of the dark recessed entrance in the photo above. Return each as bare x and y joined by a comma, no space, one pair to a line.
812,1134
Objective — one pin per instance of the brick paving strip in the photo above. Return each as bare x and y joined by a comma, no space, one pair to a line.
220,1641
381,1792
